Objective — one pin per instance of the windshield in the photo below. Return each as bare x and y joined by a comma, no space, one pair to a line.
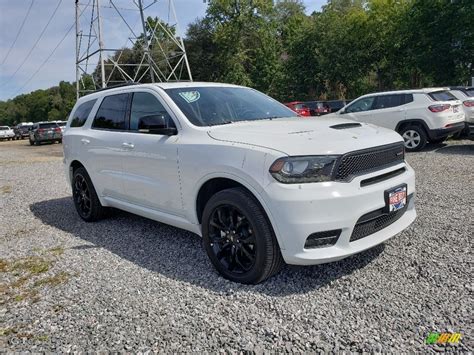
47,125
209,106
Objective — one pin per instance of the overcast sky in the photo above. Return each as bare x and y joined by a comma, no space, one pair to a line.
61,65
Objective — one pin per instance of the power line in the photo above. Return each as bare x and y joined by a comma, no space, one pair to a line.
49,56
36,43
18,33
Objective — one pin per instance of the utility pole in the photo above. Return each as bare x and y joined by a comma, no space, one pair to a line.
78,74
146,43
101,46
158,46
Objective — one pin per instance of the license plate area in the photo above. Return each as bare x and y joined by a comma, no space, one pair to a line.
396,198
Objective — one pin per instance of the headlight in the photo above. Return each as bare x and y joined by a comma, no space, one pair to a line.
296,170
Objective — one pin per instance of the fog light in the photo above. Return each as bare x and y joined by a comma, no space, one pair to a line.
322,239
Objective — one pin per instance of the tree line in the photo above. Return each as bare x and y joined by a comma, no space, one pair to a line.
349,48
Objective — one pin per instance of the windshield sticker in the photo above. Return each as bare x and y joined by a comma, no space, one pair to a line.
190,96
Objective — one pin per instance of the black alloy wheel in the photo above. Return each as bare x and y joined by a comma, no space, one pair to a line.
239,238
82,196
85,198
232,239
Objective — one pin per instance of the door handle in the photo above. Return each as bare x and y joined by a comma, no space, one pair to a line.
128,145
85,141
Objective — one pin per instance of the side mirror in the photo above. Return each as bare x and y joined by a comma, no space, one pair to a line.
155,124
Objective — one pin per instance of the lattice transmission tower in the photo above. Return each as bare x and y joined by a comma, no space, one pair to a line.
119,41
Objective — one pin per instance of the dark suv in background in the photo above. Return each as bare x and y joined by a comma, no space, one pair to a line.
22,130
318,108
45,132
336,105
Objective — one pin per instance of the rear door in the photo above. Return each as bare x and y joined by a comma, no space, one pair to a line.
150,161
103,145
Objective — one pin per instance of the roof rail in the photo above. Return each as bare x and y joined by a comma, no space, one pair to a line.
128,83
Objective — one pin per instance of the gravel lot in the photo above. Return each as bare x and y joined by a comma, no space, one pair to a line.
128,283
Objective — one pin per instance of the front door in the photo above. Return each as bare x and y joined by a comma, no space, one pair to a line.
150,161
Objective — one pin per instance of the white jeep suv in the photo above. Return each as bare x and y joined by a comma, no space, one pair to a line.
260,185
418,115
466,95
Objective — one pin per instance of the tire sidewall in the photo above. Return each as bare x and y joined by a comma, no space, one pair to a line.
421,133
262,231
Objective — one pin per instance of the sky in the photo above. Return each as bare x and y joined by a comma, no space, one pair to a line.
20,64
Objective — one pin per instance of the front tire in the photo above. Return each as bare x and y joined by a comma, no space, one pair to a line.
414,137
85,197
238,237
31,142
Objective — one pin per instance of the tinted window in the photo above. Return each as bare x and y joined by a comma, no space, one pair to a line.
300,107
208,106
112,112
442,96
469,92
361,105
3,128
386,101
408,98
81,113
145,104
48,125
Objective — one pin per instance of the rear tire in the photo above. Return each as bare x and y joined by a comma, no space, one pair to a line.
31,142
85,197
415,138
240,242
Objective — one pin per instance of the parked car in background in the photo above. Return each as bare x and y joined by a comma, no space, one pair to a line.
45,132
22,130
299,107
336,105
466,95
6,133
62,125
260,185
318,108
418,115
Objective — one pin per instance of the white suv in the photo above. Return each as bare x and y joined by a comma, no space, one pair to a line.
418,115
260,185
6,133
466,95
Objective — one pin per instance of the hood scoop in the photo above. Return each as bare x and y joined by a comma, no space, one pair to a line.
346,125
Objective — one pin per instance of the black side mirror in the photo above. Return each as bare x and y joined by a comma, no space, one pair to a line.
155,124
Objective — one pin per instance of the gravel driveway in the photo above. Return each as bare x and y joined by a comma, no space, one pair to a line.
128,283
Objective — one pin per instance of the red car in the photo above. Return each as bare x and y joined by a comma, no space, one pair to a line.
299,107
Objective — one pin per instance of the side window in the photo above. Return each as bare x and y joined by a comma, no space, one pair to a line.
146,105
361,105
408,98
81,113
387,101
112,112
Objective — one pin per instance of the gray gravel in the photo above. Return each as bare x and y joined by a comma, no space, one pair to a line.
132,284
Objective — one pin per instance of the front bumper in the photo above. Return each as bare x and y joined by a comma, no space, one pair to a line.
299,210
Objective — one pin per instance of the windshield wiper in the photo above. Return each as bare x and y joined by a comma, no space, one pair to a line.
221,123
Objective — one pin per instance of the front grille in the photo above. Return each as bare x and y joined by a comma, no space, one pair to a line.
375,221
368,160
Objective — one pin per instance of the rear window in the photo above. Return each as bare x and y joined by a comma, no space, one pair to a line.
442,96
48,125
81,113
300,106
470,92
